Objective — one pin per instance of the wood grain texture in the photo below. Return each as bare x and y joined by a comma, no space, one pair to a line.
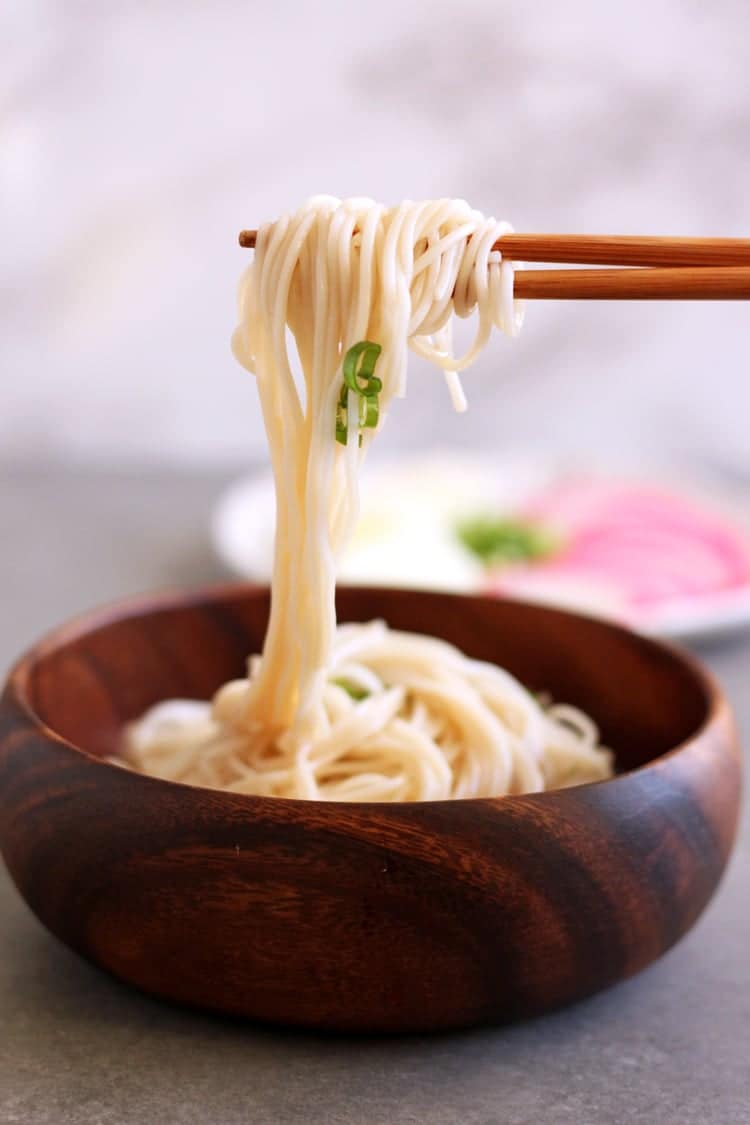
363,917
684,283
609,249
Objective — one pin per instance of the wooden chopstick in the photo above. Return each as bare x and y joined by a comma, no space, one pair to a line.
669,269
685,283
611,250
626,250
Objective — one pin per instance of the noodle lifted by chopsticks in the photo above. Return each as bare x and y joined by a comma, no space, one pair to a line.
360,712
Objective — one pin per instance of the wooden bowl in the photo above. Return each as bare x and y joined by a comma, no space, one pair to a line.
362,917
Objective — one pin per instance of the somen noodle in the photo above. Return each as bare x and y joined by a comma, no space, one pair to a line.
360,711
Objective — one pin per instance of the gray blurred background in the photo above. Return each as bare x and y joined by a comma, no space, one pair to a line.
138,138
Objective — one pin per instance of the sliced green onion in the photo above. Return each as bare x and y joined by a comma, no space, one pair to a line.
358,371
359,364
351,689
369,411
342,416
503,541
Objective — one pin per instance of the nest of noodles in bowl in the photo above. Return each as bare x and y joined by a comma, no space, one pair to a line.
361,916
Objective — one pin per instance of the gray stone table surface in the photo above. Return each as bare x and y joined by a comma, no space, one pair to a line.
672,1045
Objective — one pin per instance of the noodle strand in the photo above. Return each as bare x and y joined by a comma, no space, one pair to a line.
360,711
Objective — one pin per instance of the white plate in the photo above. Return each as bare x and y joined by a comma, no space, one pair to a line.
406,536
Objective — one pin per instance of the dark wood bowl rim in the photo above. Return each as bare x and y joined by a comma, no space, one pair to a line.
716,704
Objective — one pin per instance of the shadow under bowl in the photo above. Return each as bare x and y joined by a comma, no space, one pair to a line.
366,917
